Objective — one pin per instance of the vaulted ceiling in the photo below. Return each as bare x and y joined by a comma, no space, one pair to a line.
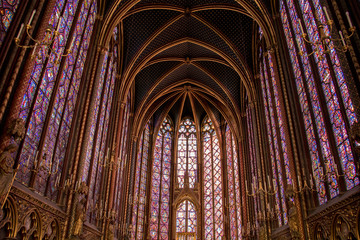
193,55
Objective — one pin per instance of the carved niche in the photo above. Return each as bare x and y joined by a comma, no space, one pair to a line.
338,220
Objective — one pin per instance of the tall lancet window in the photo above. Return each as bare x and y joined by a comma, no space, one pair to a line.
50,100
97,154
187,153
233,176
213,195
327,108
160,183
186,221
139,196
276,135
7,13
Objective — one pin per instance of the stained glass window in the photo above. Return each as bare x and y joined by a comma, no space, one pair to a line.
7,13
276,135
97,154
49,103
160,183
339,110
187,153
186,221
138,213
213,202
233,177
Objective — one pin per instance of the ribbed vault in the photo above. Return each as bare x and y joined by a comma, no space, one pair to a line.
197,52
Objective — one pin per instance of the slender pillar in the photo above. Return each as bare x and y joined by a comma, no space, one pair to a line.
84,133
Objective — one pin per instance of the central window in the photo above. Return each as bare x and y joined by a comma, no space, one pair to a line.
187,153
183,201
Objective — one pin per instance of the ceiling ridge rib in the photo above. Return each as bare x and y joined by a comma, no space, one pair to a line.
153,6
189,82
154,99
229,7
159,60
196,120
181,59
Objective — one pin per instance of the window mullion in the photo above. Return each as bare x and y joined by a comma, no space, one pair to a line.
139,184
234,184
212,181
160,182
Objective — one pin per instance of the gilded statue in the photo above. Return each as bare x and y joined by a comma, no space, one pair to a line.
111,227
17,129
293,221
79,218
83,189
110,233
7,171
262,232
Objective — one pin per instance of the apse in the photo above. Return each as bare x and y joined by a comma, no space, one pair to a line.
181,179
